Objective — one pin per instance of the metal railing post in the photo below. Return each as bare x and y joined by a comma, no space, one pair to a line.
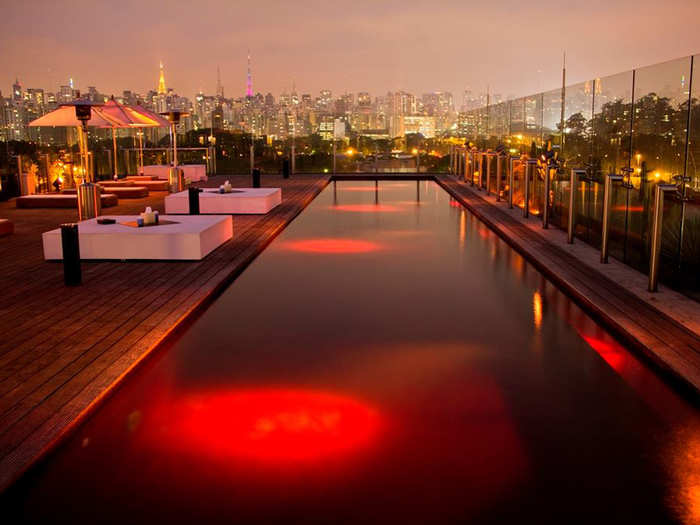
472,166
605,233
499,169
482,165
571,225
545,209
465,168
656,231
511,180
530,166
489,158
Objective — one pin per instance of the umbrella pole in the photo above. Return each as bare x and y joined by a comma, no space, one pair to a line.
114,144
174,146
141,150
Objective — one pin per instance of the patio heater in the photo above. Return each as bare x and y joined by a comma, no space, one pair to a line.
176,178
89,204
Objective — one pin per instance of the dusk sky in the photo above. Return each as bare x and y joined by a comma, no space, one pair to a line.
343,46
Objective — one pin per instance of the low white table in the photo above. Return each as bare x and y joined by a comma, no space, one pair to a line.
192,172
240,201
190,237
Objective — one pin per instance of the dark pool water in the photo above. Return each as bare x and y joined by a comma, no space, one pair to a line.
386,359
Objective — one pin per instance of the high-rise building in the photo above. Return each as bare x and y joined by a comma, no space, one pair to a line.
17,91
364,99
65,94
249,80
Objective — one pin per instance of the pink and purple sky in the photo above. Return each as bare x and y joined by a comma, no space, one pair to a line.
381,45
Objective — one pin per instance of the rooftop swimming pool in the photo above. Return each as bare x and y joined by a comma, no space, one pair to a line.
386,359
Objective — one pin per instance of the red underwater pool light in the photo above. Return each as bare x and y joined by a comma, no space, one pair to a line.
332,246
271,425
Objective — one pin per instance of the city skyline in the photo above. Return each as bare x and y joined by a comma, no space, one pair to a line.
398,47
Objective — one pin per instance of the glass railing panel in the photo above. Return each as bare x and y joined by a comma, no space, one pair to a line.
559,199
619,222
589,205
658,154
518,183
639,211
551,117
690,233
660,120
611,122
537,192
578,108
533,123
516,138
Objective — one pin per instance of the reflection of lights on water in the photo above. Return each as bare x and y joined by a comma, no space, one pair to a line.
687,469
635,209
358,188
462,228
365,208
537,309
612,353
332,246
268,425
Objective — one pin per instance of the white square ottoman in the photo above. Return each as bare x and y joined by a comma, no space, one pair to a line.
189,237
240,201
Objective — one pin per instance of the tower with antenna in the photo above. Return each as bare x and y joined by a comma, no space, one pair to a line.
219,86
161,81
249,81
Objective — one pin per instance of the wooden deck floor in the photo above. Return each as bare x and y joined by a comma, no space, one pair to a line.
62,349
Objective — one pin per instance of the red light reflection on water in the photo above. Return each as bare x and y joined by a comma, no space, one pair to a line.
634,209
613,354
332,246
365,208
358,188
275,426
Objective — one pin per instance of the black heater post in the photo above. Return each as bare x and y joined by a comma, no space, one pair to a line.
72,274
285,168
256,178
194,200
